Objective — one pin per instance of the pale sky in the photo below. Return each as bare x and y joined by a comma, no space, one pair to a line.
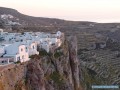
77,10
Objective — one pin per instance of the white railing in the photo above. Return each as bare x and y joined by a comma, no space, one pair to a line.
6,61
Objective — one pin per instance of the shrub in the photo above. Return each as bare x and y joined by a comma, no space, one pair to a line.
57,78
42,52
34,56
17,62
58,54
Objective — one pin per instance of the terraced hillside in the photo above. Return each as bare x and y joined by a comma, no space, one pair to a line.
101,66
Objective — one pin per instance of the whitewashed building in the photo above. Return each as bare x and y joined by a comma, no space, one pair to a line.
21,46
17,51
31,47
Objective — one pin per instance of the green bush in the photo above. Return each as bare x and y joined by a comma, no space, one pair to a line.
34,56
17,62
42,52
57,78
58,54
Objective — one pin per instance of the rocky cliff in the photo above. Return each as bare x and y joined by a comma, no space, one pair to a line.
54,71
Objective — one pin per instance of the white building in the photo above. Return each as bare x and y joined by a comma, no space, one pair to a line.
2,51
31,47
45,45
21,46
59,34
16,51
1,31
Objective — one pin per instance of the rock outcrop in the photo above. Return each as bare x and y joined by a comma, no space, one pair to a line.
74,62
55,71
11,77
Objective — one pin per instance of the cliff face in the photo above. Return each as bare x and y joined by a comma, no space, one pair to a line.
57,71
12,75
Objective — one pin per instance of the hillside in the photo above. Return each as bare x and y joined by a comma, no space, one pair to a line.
29,19
99,66
21,23
40,23
49,72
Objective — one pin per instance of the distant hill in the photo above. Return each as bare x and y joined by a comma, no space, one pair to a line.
30,20
14,19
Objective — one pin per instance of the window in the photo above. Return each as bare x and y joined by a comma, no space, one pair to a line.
26,49
53,44
18,58
2,61
33,47
21,49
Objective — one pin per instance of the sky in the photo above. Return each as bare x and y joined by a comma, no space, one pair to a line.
76,10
